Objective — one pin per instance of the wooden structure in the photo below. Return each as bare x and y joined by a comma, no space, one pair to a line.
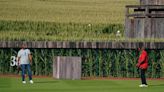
151,2
81,45
146,20
67,67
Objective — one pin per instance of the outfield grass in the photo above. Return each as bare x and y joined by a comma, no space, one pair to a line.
51,85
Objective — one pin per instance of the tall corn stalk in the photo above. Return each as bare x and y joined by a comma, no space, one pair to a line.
1,61
85,65
162,63
152,62
95,62
117,63
105,63
36,62
109,62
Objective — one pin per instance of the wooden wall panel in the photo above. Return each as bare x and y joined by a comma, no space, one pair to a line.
145,28
81,45
65,67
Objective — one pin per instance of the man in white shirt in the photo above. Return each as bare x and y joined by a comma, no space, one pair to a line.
24,61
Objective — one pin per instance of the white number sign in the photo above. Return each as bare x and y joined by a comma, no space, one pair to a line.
13,61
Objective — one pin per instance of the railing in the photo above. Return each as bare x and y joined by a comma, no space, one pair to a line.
143,11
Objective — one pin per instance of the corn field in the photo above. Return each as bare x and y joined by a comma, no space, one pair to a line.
50,31
65,11
95,62
61,20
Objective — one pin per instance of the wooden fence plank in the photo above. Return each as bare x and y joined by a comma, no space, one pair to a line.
82,45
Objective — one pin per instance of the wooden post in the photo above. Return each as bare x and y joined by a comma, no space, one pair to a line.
152,2
65,67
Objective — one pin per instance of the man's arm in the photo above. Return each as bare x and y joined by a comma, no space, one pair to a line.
18,61
30,58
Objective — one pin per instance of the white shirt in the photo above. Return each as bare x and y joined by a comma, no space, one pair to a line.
24,56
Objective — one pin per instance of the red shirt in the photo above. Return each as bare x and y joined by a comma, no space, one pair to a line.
143,60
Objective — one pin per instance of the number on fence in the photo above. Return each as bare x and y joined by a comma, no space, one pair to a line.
13,61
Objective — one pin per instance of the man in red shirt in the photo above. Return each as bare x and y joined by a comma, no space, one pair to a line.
143,65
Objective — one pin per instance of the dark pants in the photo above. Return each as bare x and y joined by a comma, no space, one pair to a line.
24,67
143,78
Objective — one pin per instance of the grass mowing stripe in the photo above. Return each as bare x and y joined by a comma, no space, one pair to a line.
5,83
51,85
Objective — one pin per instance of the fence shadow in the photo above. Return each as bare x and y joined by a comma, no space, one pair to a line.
40,82
157,85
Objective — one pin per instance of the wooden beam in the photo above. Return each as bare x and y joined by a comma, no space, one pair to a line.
81,45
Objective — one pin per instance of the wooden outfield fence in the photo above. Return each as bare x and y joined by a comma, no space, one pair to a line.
94,45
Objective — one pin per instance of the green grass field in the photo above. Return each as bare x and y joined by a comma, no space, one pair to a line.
51,85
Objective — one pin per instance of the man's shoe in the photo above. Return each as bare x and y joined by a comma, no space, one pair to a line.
31,82
143,85
24,82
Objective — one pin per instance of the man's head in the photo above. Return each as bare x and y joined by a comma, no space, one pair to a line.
24,45
141,47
